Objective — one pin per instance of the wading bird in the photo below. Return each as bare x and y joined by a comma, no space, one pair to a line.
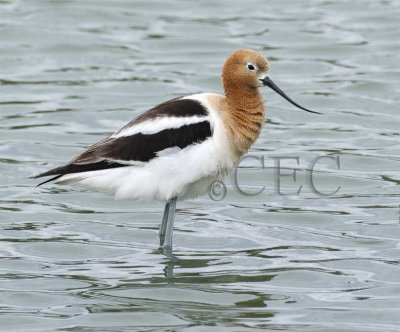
177,149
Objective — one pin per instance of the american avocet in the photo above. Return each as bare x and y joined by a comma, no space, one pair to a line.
177,149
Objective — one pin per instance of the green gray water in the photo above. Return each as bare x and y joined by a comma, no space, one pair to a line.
72,72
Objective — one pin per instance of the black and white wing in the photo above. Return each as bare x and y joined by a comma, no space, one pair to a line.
175,124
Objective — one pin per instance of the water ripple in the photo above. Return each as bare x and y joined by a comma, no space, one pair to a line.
78,261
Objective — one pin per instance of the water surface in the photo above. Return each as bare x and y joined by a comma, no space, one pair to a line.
72,72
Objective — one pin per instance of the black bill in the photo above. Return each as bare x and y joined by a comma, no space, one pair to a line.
268,82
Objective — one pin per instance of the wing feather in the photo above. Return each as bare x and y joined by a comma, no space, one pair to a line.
139,148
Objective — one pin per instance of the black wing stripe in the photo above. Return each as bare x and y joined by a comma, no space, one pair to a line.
138,147
144,147
175,108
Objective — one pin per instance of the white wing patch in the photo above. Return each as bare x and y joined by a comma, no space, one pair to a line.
153,126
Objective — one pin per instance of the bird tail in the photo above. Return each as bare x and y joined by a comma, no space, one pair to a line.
58,172
77,168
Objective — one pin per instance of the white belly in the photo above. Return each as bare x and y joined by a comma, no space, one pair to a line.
187,173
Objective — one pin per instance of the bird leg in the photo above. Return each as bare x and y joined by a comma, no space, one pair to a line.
163,225
167,232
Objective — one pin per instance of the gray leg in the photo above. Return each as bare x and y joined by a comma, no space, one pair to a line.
170,225
163,225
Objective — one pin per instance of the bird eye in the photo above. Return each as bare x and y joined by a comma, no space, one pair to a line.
250,67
